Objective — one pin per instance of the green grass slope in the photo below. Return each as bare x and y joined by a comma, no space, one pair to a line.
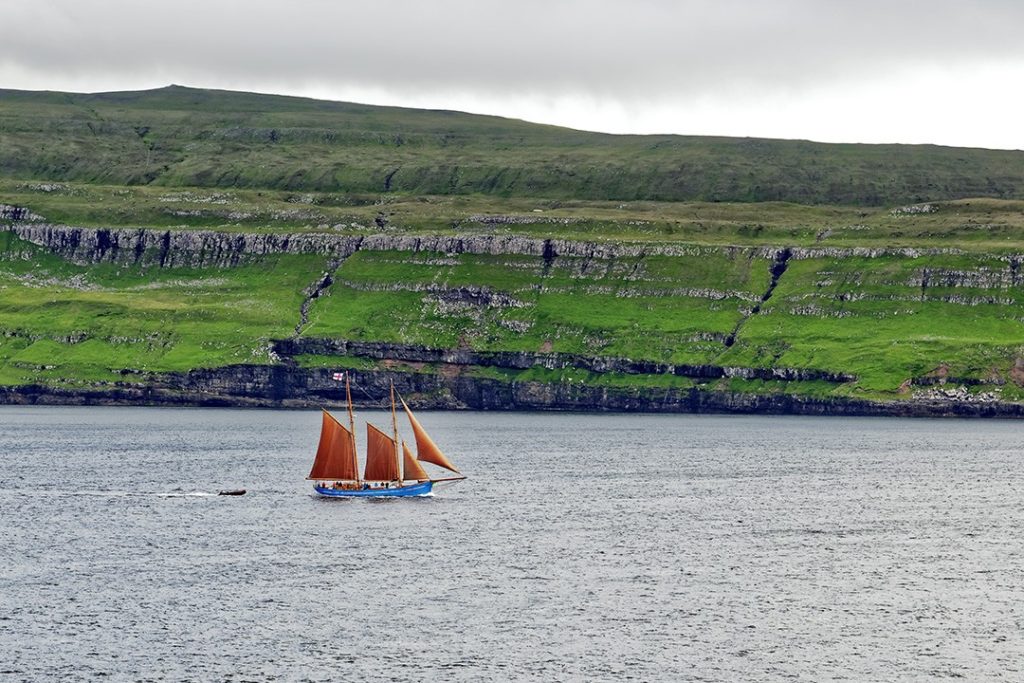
896,324
177,137
893,320
674,309
75,326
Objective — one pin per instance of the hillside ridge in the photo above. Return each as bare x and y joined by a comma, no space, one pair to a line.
178,136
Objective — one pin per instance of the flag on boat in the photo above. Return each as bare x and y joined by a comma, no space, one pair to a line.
338,376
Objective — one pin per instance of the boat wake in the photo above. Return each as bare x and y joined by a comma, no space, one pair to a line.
186,494
114,494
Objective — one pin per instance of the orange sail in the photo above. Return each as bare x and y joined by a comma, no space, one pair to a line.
336,454
413,469
426,449
381,456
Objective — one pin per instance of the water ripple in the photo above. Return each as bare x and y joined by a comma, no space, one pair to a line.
583,547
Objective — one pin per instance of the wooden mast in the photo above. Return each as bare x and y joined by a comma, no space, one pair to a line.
352,427
394,429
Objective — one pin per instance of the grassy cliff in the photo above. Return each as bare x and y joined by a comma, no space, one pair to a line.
149,235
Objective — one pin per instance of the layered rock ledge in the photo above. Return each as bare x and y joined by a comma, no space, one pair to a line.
282,387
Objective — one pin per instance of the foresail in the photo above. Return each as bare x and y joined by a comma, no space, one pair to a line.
426,449
381,456
413,469
335,456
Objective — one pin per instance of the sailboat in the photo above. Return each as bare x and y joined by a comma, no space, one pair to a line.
391,470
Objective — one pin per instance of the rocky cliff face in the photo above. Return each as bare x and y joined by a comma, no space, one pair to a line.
456,386
551,361
170,248
203,248
282,387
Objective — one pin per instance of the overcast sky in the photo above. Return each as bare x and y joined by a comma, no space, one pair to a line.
941,71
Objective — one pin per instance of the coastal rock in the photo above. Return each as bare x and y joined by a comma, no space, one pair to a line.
279,386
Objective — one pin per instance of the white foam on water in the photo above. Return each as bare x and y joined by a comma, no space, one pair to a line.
186,494
109,494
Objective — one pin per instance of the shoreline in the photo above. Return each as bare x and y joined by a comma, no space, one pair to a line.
254,386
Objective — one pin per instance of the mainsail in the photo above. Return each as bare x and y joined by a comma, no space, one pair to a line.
381,456
426,449
336,454
413,469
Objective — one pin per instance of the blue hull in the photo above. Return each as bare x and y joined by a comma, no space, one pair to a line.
418,489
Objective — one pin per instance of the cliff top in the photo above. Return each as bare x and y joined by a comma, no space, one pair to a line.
988,225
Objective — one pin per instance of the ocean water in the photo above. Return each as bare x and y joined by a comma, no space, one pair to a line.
583,547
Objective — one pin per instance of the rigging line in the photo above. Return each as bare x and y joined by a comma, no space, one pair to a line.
355,385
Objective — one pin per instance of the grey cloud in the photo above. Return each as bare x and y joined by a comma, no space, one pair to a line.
620,50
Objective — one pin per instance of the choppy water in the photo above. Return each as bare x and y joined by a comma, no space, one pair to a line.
583,547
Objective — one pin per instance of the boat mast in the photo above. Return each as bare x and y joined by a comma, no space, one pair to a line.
394,429
352,426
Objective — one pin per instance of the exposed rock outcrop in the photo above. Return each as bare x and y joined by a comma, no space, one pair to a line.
168,248
9,212
211,248
978,278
